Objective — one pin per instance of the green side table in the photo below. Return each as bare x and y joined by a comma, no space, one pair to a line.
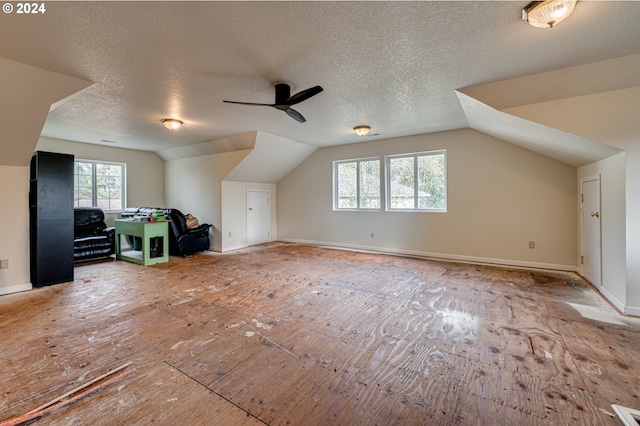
154,242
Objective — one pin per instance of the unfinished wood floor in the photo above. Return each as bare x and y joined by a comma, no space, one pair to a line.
293,334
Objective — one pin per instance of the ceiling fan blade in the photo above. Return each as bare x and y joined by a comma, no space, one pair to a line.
248,103
284,101
304,95
295,115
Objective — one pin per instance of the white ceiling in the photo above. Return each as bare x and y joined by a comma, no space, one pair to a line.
395,66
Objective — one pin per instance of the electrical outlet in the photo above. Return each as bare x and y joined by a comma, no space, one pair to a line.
229,233
4,264
372,235
532,244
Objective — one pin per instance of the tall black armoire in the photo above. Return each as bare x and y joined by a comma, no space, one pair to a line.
51,218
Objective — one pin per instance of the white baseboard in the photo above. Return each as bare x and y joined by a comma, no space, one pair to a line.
619,305
442,256
245,245
15,288
611,298
236,247
632,310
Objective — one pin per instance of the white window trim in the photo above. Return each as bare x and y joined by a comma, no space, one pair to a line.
123,182
336,196
414,155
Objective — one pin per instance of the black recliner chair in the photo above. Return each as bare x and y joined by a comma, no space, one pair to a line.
186,241
182,240
91,236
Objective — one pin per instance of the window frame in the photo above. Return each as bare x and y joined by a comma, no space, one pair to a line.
94,186
414,155
336,195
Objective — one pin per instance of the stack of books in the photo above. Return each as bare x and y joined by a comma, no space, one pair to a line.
158,216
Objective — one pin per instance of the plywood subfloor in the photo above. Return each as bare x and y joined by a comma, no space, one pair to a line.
293,334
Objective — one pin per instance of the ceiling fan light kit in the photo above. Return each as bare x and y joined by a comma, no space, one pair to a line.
548,13
284,100
172,123
361,130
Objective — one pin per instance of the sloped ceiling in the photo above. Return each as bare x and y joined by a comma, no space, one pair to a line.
595,77
232,143
27,93
393,65
271,159
562,146
572,114
607,116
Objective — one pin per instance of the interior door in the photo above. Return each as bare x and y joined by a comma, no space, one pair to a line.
591,249
258,217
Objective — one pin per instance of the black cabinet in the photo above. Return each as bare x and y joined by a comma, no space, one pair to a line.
51,218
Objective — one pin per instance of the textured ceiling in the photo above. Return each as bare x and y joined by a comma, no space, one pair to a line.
392,65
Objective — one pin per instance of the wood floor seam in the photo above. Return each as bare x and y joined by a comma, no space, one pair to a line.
215,393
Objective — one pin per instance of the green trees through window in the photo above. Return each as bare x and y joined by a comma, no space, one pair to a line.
358,184
99,184
83,184
413,182
417,181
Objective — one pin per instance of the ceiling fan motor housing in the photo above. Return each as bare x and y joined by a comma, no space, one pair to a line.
283,93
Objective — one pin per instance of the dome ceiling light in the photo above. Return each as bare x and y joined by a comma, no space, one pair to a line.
172,123
548,13
361,130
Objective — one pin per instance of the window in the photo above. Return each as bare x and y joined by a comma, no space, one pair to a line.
417,181
357,184
99,184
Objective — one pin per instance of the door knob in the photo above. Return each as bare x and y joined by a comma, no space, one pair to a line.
595,214
251,208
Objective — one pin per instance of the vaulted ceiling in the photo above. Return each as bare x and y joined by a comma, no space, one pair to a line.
403,68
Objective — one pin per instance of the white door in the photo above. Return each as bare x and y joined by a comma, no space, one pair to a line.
590,235
258,217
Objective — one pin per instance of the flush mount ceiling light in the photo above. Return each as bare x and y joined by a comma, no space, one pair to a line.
172,123
361,130
548,13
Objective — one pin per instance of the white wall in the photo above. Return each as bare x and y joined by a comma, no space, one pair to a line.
613,213
14,228
633,228
610,118
194,185
234,213
500,197
145,170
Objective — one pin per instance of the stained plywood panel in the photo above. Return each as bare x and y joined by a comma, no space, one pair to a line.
155,395
293,334
607,359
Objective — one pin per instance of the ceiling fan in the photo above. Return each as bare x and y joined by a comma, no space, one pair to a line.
284,100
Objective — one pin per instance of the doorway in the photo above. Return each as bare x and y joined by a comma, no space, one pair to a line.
258,217
591,237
